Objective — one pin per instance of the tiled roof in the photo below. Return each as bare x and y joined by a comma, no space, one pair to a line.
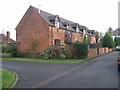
92,32
3,38
116,32
50,18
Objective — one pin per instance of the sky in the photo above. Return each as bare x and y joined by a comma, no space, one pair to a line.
97,15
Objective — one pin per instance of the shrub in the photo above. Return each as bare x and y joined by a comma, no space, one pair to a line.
5,49
81,49
55,52
48,53
11,49
6,55
64,52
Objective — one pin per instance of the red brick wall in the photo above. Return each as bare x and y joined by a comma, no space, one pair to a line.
32,32
55,33
77,37
106,50
92,53
101,51
98,51
110,49
92,40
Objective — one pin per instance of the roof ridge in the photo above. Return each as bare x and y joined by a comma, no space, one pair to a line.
46,16
54,15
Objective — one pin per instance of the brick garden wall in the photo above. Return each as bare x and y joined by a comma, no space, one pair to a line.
92,52
98,51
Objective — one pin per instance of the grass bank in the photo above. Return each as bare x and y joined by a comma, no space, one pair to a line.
46,61
7,80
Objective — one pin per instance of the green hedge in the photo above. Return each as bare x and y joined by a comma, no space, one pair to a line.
81,49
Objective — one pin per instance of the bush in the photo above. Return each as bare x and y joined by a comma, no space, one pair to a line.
11,49
6,55
55,52
81,49
49,53
5,49
64,53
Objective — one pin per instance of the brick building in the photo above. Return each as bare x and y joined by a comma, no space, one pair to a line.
5,39
38,29
116,32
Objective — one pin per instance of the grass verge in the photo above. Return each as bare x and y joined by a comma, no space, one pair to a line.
47,61
8,79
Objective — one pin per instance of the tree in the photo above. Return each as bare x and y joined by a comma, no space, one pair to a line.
101,36
108,40
97,35
13,50
85,39
110,30
117,41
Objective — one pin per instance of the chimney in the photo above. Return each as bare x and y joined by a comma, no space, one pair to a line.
39,8
8,37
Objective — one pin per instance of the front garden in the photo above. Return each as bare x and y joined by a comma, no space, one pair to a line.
54,54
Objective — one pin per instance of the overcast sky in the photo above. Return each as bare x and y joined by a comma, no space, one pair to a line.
97,15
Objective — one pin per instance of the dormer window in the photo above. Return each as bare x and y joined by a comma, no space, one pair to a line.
57,21
84,32
91,33
66,24
77,29
57,24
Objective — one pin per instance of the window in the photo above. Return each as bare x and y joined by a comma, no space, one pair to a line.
57,42
70,35
92,33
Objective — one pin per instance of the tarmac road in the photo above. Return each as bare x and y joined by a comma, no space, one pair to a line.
101,72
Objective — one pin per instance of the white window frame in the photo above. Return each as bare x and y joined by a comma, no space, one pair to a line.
70,34
84,32
77,29
67,26
57,24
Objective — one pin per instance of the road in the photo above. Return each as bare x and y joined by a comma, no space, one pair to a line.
100,72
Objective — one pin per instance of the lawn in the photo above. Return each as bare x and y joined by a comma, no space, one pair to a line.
47,61
7,79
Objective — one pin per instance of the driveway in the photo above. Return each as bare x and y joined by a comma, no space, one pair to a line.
101,72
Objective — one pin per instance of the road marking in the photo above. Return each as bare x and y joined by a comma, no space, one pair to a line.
55,77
